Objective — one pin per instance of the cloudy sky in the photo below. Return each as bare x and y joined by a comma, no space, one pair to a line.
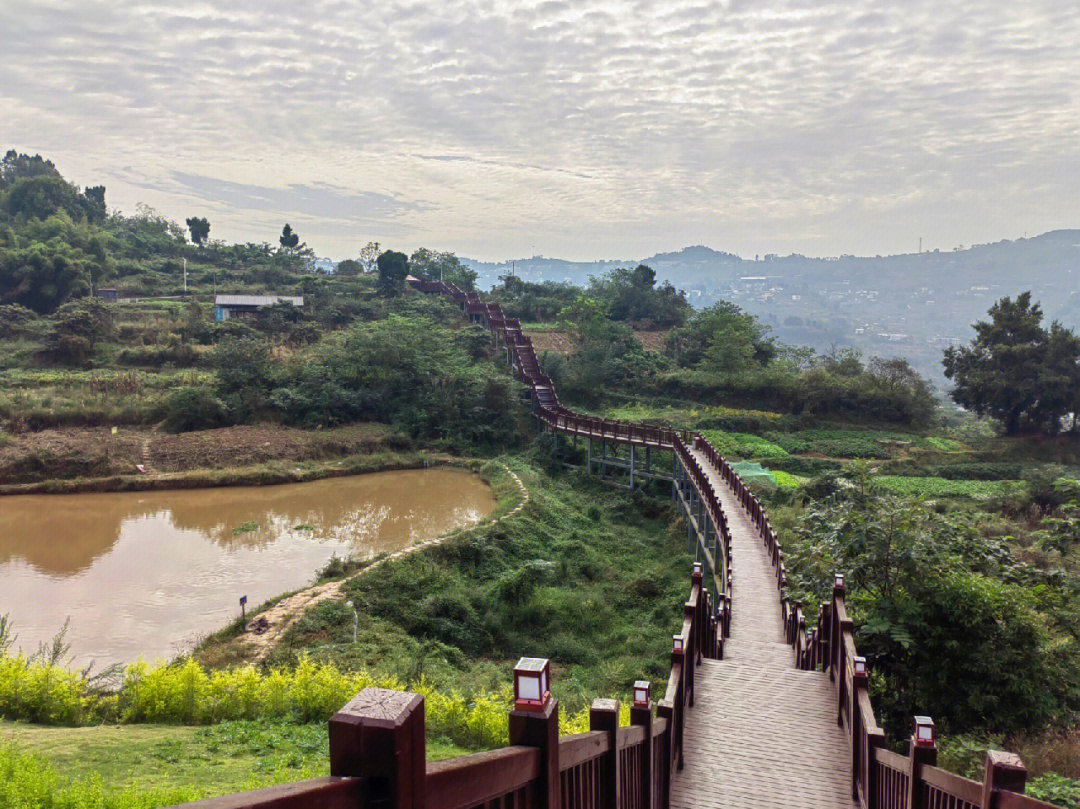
571,128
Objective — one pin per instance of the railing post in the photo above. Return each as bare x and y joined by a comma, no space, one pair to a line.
665,710
539,727
1005,772
641,715
919,753
604,716
690,657
379,736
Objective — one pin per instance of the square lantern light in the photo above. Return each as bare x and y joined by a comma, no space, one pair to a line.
531,684
924,731
838,581
677,643
697,569
858,665
641,694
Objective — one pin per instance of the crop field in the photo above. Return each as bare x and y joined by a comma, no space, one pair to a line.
943,487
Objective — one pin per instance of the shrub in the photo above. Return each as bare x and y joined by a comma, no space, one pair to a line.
193,408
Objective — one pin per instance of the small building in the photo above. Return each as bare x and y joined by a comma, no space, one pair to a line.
227,307
107,295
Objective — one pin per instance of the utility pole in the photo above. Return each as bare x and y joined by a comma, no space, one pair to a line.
185,276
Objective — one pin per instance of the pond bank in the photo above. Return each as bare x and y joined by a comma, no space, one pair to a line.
97,459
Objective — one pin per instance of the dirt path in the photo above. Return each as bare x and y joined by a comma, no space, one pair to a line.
280,617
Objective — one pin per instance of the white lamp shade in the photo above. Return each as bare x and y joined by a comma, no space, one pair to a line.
860,665
529,688
641,692
676,643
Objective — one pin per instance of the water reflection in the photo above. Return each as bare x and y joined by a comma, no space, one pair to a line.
142,573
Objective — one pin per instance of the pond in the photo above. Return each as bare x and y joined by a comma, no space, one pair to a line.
146,574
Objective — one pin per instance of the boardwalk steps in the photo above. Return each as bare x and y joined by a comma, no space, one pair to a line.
762,707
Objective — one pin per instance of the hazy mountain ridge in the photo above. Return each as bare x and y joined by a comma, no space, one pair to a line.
909,305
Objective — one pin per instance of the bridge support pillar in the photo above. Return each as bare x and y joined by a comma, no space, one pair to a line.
631,466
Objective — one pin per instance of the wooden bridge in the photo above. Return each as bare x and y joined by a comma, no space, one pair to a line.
763,708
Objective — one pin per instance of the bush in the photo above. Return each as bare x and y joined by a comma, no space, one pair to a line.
193,408
14,320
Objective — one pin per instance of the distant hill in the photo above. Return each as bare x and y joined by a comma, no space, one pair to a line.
910,305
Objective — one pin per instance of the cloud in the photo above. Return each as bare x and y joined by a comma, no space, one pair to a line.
316,200
598,127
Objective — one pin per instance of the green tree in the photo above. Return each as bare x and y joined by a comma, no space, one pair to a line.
632,295
199,228
722,339
16,166
369,257
349,268
42,276
433,265
77,327
1015,370
288,238
245,376
933,616
393,267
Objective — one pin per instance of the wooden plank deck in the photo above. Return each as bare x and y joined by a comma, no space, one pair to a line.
762,733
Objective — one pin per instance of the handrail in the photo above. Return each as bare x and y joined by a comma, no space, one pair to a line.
466,781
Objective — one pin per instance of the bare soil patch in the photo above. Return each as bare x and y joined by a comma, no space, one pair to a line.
248,445
97,452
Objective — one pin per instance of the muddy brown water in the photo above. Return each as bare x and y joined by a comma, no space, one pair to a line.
145,574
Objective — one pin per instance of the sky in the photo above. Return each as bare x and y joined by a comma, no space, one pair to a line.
568,128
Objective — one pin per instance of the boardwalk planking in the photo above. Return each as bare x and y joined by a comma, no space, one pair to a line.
761,733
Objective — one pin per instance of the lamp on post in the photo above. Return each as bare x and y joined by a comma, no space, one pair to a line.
677,644
355,619
641,693
924,732
838,583
532,676
859,670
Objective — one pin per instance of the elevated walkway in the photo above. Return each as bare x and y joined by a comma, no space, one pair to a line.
761,732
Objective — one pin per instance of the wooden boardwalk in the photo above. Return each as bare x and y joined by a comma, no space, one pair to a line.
761,733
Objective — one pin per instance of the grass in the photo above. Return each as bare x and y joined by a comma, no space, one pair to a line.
589,577
157,765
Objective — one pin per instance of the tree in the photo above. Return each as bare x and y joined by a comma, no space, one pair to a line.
349,268
393,267
16,166
41,278
1015,370
434,265
722,339
288,239
369,257
76,328
93,202
200,230
632,295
